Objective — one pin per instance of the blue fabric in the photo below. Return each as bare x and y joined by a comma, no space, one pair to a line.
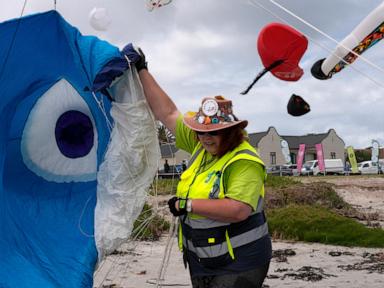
115,68
46,227
110,71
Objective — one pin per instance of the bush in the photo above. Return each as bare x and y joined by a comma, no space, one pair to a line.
316,193
149,226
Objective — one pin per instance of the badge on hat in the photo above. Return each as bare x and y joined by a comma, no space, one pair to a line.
209,107
297,106
215,113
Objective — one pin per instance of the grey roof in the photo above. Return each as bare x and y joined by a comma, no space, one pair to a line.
168,150
293,141
254,138
309,140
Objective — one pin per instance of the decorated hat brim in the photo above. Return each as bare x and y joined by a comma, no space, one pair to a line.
196,126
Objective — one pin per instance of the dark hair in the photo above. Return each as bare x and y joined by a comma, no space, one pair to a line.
231,138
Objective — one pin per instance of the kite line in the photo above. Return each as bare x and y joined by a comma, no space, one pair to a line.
13,39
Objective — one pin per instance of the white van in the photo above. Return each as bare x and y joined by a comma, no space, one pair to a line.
332,166
368,167
308,167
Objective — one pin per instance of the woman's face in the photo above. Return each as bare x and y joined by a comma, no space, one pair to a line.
211,143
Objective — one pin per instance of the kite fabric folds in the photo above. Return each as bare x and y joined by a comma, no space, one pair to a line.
54,137
124,178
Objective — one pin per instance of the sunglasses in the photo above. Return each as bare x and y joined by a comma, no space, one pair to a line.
210,133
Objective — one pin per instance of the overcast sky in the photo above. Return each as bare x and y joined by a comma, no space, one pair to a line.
200,48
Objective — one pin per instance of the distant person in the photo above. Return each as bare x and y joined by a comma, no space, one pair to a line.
166,166
220,197
183,165
347,168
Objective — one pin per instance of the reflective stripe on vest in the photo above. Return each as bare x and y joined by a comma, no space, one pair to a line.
213,242
222,248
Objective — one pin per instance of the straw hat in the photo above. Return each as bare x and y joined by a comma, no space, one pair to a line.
214,114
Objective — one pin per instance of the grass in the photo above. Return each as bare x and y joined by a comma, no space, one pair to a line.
280,181
317,224
164,187
314,212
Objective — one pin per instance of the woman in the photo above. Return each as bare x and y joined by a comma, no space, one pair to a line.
223,232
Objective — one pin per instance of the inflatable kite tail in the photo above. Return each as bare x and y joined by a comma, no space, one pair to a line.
317,72
261,74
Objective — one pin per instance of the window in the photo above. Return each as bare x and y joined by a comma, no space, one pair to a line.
333,155
273,158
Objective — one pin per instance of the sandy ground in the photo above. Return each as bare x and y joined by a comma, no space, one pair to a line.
294,264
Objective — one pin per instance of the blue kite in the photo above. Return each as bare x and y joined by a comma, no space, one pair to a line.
54,135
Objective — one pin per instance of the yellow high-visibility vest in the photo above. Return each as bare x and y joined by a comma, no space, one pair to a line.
208,184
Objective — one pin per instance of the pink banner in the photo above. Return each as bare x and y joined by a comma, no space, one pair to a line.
320,157
300,157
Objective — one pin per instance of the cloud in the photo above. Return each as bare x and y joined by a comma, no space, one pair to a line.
206,49
184,52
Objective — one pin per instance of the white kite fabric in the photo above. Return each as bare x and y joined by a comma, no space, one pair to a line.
129,166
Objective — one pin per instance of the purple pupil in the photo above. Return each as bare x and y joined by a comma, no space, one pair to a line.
74,134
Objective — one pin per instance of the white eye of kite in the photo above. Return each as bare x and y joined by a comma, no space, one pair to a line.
59,141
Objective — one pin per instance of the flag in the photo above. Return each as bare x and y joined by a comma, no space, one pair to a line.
375,151
320,157
300,157
285,151
352,159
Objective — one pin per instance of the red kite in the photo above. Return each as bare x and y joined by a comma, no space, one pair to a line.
280,48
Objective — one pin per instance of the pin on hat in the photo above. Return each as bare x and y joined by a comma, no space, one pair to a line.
215,113
297,106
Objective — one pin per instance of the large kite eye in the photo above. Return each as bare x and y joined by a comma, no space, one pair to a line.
59,140
74,134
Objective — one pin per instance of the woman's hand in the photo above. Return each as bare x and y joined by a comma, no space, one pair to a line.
136,56
174,207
